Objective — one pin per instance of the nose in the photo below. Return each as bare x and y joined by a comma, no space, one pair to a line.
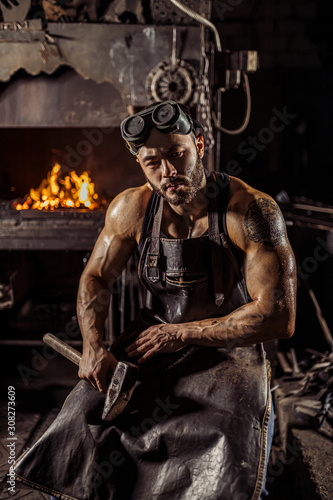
168,170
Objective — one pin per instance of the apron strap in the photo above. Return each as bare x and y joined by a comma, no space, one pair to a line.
153,271
215,239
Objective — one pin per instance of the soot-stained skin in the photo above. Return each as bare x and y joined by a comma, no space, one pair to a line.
264,223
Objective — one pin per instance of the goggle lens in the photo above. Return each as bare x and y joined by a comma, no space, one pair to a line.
134,125
167,117
164,115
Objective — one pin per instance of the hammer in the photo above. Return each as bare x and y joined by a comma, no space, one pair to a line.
121,385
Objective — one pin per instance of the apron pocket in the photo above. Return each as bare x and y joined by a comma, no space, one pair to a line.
183,280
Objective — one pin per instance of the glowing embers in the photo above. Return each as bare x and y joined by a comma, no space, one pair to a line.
56,191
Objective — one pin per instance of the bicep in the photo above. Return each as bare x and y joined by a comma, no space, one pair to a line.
269,260
109,257
270,276
271,282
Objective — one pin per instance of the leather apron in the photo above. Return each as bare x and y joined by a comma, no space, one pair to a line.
196,425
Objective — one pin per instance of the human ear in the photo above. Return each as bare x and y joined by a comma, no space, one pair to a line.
200,145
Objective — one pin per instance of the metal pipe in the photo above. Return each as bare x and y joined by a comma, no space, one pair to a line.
201,20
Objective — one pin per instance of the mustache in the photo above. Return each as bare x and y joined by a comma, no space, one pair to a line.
174,180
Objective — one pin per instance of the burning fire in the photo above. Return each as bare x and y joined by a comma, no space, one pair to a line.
73,191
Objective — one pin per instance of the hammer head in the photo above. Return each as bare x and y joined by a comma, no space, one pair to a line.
120,389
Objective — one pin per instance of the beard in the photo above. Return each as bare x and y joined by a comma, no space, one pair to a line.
190,185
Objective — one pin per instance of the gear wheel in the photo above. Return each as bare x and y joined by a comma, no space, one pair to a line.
177,82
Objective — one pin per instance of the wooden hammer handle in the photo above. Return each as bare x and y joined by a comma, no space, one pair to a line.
60,346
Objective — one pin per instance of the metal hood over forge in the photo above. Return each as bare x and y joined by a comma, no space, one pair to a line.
143,63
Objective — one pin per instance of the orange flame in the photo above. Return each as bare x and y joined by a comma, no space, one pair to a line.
74,191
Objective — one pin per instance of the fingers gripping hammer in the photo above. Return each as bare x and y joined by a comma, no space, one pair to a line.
121,385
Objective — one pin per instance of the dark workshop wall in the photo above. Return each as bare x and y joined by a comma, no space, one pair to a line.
294,42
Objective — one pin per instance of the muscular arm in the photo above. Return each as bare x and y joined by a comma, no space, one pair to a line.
256,226
270,277
111,252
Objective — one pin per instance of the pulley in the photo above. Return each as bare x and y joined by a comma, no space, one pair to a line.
172,81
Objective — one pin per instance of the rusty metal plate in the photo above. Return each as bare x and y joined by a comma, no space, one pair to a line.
120,54
38,230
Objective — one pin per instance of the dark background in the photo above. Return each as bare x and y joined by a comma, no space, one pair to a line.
294,42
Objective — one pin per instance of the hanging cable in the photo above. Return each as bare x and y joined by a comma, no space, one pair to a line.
245,123
201,20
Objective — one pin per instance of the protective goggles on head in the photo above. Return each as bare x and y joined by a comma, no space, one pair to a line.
166,116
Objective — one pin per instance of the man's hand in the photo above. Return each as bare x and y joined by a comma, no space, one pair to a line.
156,339
96,365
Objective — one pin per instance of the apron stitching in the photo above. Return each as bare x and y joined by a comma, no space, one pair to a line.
142,258
263,446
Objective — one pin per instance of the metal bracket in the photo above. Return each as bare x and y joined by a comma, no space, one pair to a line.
153,270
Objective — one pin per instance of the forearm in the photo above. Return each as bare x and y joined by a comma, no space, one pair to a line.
247,325
92,308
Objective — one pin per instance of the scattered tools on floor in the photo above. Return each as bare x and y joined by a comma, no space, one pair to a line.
307,389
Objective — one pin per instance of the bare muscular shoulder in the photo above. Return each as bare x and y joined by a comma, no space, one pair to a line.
125,213
253,217
119,237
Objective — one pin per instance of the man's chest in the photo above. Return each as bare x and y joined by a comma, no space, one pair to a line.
185,228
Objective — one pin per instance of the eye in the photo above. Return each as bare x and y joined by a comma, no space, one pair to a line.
177,154
153,164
